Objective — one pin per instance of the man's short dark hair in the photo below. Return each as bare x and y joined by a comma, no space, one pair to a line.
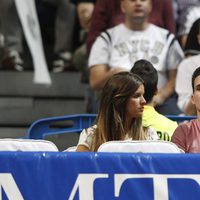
194,75
148,73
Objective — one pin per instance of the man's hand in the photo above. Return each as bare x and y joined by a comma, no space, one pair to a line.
99,74
158,99
85,11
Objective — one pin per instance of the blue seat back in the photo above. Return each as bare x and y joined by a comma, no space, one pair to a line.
60,125
74,123
180,119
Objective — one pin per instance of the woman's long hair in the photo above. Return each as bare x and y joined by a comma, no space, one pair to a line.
192,46
112,115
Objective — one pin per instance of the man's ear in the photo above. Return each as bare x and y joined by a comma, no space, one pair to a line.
156,91
192,99
122,6
151,6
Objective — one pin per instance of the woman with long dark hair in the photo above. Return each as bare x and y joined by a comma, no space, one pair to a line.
120,114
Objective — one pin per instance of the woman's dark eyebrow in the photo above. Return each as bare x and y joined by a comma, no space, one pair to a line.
137,93
197,86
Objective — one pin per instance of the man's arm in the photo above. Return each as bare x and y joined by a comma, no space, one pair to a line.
85,10
190,108
167,90
174,57
183,86
99,74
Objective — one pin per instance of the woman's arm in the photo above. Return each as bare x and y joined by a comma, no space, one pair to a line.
82,148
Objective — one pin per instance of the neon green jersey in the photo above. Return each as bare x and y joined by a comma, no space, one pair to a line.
163,126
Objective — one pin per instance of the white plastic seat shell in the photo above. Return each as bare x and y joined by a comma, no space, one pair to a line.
141,146
8,144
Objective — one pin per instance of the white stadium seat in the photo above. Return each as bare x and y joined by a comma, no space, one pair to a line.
140,146
8,144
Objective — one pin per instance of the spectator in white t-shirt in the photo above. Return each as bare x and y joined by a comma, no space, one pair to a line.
118,48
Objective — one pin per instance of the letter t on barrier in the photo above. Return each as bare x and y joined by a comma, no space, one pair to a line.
159,181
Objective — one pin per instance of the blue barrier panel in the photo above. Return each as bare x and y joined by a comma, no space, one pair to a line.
99,176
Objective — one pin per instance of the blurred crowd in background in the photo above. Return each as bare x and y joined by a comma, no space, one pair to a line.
70,27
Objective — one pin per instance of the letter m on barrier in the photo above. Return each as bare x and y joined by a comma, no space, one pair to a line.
85,183
7,183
